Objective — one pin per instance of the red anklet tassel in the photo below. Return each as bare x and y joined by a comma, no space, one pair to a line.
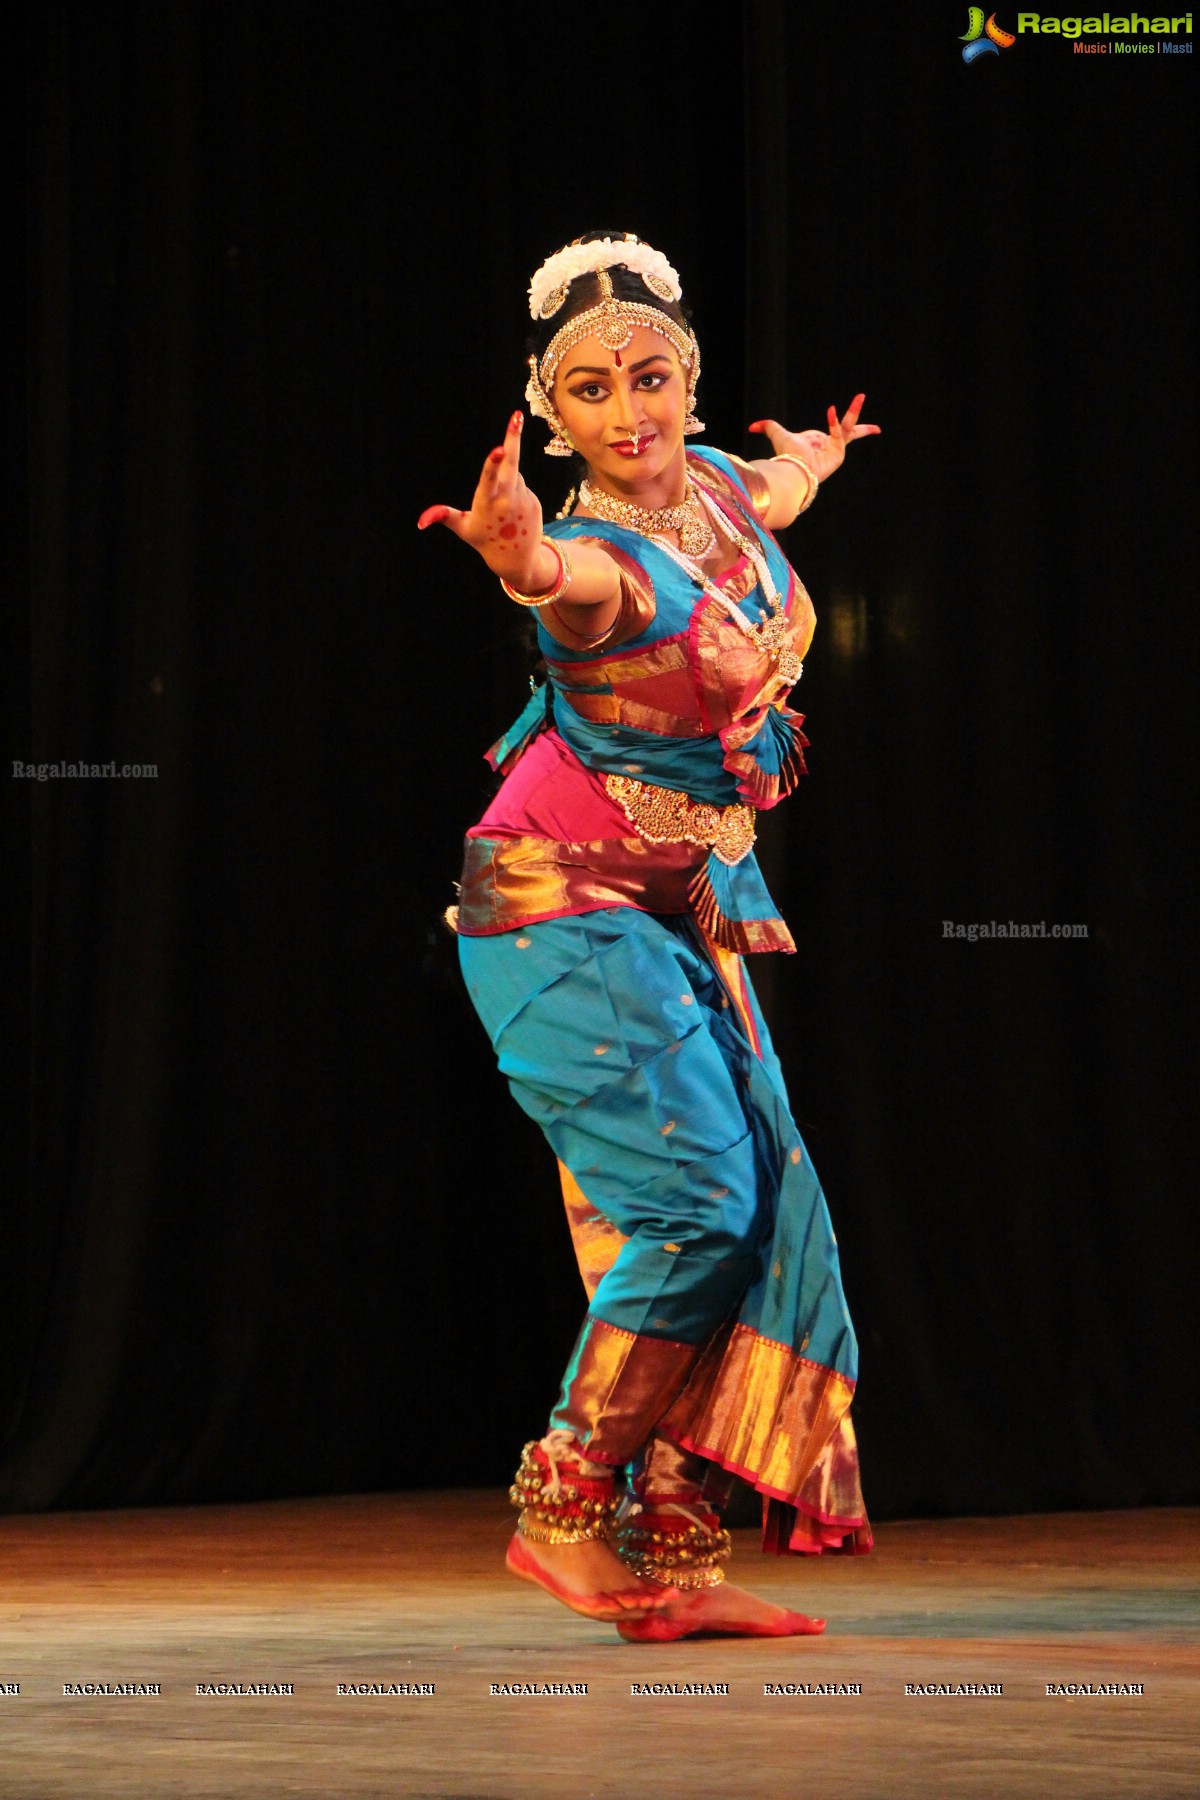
557,1504
674,1545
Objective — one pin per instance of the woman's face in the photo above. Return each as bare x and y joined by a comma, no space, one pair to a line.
610,399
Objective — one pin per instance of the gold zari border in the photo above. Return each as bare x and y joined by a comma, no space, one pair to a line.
512,881
757,1408
618,1384
596,1241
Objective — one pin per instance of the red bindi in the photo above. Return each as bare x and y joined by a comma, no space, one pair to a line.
617,358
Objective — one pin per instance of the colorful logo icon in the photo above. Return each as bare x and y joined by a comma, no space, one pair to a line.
983,39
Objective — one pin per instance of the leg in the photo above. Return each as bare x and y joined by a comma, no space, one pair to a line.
671,1533
613,1033
567,1508
648,1067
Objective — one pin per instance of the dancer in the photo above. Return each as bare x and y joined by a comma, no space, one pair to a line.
609,895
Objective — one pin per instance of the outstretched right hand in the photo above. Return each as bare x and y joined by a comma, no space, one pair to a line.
505,519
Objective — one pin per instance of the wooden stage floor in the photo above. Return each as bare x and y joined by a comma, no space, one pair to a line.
410,1589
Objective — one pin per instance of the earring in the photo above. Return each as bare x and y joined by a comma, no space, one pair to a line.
692,424
558,446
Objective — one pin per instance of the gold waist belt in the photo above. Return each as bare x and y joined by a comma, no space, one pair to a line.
667,816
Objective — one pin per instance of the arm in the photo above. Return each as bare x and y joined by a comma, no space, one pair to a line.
791,490
504,524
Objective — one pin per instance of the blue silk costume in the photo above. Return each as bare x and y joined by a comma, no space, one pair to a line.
607,968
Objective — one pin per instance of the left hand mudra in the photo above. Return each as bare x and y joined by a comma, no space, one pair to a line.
824,451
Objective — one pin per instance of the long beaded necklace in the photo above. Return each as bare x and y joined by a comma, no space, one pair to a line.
769,634
696,534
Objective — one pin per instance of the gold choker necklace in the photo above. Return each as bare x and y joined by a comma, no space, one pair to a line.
696,535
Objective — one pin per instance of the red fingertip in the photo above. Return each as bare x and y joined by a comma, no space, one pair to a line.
433,515
758,425
516,422
496,456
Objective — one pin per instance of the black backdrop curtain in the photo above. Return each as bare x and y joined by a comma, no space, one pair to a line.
274,1226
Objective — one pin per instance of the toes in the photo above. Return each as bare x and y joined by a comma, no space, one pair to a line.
635,1600
800,1625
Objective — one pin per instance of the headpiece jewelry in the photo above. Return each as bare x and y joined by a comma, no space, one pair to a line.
613,321
548,289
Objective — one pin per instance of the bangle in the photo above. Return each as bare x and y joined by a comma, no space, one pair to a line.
813,483
556,589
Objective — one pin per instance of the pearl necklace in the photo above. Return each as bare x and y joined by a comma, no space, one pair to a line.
696,534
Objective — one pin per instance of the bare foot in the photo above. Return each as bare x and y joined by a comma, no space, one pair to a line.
725,1609
589,1578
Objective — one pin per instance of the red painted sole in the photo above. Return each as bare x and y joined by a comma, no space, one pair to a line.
667,1631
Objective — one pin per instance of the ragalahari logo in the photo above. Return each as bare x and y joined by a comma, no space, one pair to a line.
983,39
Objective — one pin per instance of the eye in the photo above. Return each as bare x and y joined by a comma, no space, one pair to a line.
656,378
590,390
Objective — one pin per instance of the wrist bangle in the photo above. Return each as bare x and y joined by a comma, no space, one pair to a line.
555,591
813,483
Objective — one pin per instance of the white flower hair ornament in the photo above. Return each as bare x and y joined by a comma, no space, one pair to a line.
548,289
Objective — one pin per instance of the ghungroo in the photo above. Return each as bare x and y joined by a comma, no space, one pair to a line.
673,1545
558,1504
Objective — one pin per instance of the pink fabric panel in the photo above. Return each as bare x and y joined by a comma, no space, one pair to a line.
550,794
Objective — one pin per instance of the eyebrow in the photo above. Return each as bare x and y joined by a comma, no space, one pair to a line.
590,369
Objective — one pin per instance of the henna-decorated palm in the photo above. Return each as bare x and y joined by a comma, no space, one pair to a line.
504,521
823,451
